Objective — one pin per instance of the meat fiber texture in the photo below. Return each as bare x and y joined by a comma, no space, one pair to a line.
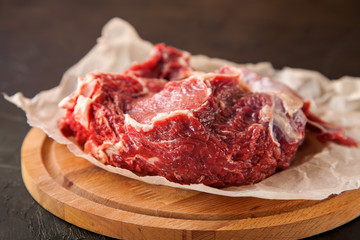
317,170
225,128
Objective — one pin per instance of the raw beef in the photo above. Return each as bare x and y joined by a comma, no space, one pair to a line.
226,128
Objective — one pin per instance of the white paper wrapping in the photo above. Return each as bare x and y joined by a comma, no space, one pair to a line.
317,171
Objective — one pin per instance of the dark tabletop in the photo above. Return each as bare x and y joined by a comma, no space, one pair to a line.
39,40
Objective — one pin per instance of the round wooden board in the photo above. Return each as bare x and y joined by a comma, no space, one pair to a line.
91,198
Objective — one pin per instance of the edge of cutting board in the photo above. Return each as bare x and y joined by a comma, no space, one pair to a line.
109,204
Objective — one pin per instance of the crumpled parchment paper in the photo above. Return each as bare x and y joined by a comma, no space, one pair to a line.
317,171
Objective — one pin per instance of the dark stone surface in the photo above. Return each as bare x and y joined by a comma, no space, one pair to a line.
40,39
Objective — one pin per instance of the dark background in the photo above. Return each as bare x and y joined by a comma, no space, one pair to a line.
39,40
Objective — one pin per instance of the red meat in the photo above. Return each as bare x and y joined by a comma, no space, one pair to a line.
227,128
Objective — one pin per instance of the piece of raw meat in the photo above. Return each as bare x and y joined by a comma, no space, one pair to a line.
226,128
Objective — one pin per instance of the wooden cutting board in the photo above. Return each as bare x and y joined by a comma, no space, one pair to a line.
91,198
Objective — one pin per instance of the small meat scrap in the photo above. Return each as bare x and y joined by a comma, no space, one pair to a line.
230,127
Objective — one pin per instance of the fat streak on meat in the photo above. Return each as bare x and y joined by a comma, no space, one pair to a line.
226,128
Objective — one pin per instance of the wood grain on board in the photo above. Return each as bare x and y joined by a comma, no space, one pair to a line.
106,203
